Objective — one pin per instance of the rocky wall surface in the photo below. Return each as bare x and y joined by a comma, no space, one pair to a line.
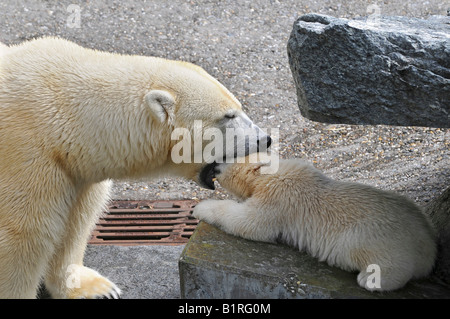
390,70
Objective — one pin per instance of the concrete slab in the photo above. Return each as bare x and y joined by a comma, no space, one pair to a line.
218,265
141,272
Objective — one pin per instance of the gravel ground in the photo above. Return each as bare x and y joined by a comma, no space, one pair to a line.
243,44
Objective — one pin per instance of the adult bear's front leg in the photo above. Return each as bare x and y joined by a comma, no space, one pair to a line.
66,276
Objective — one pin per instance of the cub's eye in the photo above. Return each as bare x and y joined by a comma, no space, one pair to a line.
230,116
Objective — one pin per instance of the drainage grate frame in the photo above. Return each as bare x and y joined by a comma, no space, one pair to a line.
145,222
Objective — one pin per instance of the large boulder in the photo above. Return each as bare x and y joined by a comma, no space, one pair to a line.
375,70
439,211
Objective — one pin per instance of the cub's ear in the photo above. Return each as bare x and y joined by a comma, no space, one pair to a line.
161,104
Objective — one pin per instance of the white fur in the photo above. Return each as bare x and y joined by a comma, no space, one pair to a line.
348,225
161,104
70,119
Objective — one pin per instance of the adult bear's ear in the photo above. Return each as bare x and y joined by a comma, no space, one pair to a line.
161,104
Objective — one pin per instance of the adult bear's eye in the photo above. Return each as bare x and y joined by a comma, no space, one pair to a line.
230,116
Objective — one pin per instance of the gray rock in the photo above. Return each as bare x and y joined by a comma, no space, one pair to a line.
374,70
216,265
439,211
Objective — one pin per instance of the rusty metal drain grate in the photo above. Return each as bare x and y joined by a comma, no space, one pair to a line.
146,223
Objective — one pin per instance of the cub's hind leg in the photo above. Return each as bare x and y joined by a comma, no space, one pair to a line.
382,269
379,278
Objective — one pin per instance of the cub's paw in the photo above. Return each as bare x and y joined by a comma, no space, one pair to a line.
86,283
385,279
368,281
206,211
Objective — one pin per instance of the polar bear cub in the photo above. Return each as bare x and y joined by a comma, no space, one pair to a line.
349,225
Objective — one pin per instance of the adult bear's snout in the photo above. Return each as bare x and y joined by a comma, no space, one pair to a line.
264,143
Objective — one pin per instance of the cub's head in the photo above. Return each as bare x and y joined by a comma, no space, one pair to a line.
239,178
207,122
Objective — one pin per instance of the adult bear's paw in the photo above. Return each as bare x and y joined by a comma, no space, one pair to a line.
86,283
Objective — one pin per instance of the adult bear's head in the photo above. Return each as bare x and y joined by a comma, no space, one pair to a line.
206,121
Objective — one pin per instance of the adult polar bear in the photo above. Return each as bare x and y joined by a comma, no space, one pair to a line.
70,119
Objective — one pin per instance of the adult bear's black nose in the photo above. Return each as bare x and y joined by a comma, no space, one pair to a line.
264,143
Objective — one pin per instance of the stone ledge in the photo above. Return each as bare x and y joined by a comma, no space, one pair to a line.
218,265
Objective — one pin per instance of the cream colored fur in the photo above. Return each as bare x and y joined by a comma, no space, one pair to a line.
71,119
348,225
